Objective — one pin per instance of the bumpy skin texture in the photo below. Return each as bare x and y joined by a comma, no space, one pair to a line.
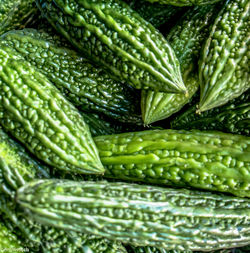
153,13
16,169
39,238
16,166
224,65
110,33
177,219
8,240
87,87
36,113
16,14
233,117
184,2
207,160
186,38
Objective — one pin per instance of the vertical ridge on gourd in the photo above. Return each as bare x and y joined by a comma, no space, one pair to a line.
110,33
131,213
186,38
224,66
16,14
184,2
233,117
86,86
214,161
35,113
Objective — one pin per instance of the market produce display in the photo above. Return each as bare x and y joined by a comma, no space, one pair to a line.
124,126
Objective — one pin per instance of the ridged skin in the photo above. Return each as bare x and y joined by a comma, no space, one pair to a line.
233,117
110,33
207,160
8,240
87,87
35,113
186,38
16,14
39,238
140,215
224,65
184,2
16,166
153,13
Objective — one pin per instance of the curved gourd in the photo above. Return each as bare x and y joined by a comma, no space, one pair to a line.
186,38
214,161
86,86
224,64
140,215
114,36
36,113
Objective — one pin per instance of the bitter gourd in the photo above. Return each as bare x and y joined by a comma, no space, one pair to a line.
86,86
16,14
8,241
35,113
110,33
186,38
214,161
233,117
155,13
184,2
46,239
140,215
224,66
16,166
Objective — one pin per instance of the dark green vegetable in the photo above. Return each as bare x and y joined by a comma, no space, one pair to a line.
186,38
184,2
46,239
207,160
35,113
111,34
140,215
233,117
99,125
224,65
87,87
154,13
16,14
17,167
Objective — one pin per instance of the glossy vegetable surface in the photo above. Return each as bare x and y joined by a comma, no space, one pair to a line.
110,33
224,65
35,112
86,86
207,160
186,38
178,219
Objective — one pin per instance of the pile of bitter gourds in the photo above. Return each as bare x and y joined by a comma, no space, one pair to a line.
124,126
